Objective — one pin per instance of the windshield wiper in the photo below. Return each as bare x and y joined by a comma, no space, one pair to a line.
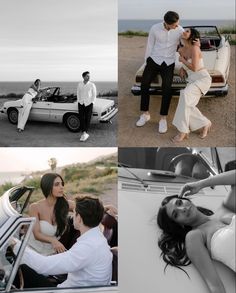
145,185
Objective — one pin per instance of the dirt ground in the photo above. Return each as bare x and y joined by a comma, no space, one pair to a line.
220,110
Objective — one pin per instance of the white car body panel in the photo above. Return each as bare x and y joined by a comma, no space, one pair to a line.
140,267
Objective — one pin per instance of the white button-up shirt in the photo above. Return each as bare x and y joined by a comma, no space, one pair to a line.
86,93
88,262
162,44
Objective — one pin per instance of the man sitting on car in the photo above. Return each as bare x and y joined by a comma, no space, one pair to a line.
88,262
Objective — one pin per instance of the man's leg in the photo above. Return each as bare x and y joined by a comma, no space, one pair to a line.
167,73
167,78
88,115
82,117
149,73
32,279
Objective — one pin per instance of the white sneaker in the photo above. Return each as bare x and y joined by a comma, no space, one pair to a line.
162,126
84,136
143,119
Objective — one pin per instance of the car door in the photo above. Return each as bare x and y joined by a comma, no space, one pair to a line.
41,111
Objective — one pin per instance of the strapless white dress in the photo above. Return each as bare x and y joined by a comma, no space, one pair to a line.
223,245
187,116
43,247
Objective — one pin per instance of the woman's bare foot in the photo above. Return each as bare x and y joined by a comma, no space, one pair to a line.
180,137
205,130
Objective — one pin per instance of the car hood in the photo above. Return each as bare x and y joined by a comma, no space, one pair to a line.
8,104
103,103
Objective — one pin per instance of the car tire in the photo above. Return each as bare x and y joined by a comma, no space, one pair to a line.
12,115
72,122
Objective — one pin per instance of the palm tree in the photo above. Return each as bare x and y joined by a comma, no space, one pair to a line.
52,162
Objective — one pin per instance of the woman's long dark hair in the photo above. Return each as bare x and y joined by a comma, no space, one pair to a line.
172,240
61,208
194,35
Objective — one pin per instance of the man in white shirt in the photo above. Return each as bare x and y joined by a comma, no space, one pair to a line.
86,96
162,44
88,262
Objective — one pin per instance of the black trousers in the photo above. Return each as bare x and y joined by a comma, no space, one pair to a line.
32,279
85,114
149,73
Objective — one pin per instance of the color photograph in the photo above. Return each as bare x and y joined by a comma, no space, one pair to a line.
176,73
58,220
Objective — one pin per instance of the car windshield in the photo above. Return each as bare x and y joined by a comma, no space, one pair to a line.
8,260
195,163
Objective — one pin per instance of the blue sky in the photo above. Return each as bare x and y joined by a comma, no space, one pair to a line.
187,9
58,39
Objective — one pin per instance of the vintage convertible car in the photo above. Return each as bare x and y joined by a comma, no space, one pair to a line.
51,106
146,176
13,223
216,55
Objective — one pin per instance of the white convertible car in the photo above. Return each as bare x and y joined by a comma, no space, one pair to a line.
51,106
146,176
14,224
216,55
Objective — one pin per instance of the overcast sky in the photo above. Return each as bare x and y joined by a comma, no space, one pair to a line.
56,40
187,9
36,159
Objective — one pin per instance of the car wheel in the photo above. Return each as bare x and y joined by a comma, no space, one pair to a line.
12,115
72,122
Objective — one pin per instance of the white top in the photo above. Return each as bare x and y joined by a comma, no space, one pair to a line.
86,93
88,262
223,245
162,44
40,246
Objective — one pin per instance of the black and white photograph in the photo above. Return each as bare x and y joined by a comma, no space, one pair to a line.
58,220
176,220
58,75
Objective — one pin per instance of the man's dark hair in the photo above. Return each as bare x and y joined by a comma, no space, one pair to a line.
171,17
90,209
85,73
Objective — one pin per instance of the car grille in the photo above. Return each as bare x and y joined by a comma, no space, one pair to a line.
178,80
108,110
157,189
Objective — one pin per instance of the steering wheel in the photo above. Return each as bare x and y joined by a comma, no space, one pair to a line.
10,256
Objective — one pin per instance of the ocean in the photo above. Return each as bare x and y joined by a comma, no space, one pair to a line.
66,87
13,177
145,25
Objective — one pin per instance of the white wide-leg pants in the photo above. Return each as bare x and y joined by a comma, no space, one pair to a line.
187,116
24,112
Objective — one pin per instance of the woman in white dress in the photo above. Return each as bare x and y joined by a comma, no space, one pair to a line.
187,116
195,234
51,216
26,104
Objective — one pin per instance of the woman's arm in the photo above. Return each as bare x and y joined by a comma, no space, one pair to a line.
199,256
71,205
226,178
57,245
194,65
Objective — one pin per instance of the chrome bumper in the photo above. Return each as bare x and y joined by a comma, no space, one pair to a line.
213,91
107,117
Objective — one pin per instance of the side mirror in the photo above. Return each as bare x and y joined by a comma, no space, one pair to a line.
231,165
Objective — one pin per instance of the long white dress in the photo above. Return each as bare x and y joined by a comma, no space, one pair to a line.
187,116
43,247
26,103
